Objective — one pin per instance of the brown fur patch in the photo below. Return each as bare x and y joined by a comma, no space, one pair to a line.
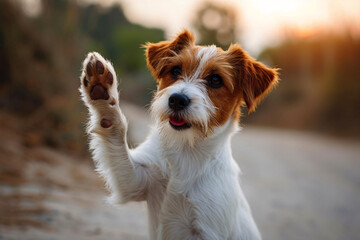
255,79
225,102
156,52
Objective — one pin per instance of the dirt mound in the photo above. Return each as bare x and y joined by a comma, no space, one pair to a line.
45,193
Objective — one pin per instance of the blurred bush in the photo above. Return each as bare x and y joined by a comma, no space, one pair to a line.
41,59
320,84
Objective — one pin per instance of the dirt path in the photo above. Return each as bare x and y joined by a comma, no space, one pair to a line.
299,185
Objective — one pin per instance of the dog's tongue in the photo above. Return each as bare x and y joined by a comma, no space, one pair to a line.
177,121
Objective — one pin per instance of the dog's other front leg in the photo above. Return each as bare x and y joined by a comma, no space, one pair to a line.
125,177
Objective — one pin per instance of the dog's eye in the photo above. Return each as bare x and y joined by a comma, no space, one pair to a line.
175,72
215,81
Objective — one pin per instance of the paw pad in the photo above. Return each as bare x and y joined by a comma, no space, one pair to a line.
99,92
109,78
105,123
86,82
99,67
88,69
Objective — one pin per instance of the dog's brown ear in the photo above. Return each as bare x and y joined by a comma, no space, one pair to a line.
255,79
156,53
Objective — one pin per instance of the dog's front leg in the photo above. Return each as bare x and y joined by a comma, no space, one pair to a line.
125,177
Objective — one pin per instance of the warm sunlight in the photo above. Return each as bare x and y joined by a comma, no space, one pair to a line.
304,31
261,22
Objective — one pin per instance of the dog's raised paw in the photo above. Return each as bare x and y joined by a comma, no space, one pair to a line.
97,77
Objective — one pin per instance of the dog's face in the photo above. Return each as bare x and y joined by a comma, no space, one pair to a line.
202,87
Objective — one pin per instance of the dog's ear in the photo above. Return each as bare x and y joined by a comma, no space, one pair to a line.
156,53
254,79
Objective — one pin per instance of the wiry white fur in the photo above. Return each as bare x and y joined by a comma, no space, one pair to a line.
192,190
204,54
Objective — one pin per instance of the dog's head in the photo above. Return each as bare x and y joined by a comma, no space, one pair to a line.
202,87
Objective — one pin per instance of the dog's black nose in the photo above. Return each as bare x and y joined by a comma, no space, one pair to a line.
178,101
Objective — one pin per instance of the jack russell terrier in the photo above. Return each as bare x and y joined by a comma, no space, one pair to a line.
184,169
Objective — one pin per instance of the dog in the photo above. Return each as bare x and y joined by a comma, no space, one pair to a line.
184,169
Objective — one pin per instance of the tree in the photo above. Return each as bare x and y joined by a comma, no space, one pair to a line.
216,24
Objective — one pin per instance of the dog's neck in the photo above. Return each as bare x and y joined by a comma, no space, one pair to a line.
188,162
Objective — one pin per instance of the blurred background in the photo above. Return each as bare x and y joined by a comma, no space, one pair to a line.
300,151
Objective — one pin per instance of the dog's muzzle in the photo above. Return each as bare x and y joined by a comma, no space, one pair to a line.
178,102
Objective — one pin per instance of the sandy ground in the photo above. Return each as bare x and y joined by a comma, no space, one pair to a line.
299,185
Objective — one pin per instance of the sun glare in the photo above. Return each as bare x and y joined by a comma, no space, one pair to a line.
277,6
305,31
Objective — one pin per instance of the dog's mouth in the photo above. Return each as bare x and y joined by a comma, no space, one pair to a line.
178,123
